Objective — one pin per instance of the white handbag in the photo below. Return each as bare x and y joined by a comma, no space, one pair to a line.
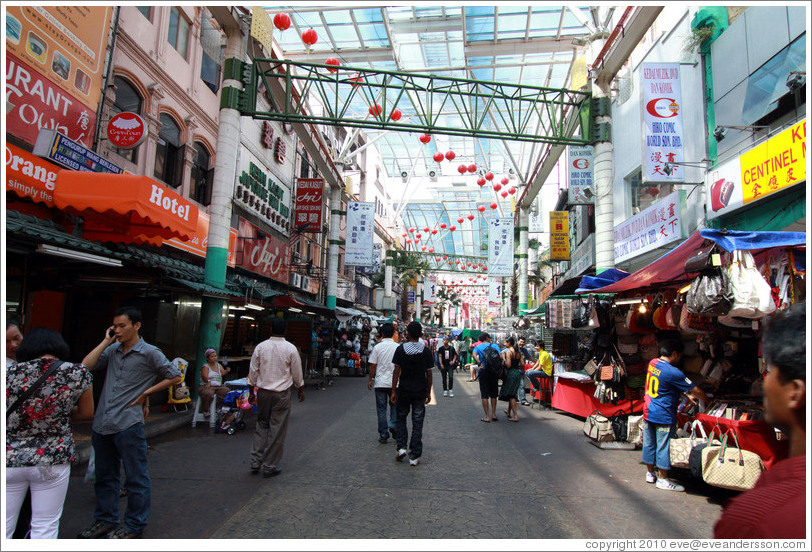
752,296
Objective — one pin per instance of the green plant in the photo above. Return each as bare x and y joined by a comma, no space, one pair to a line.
534,243
697,38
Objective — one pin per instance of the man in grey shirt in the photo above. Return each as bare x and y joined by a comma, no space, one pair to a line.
133,366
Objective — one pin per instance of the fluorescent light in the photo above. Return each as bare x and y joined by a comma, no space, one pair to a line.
311,313
77,255
253,307
231,316
247,317
628,301
114,279
685,289
294,309
232,307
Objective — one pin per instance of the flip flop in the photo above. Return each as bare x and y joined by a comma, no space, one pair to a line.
486,420
494,419
512,420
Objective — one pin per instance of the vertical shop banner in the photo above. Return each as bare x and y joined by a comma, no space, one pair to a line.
559,236
494,292
662,122
430,290
410,300
536,218
269,257
579,171
360,233
500,247
308,207
658,225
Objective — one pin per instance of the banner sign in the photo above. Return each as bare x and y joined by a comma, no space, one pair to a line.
308,206
559,236
500,247
582,258
580,169
430,290
198,243
29,176
662,122
259,193
33,102
62,150
776,164
410,300
360,233
494,292
658,225
268,257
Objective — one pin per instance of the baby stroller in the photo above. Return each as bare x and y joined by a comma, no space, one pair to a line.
232,411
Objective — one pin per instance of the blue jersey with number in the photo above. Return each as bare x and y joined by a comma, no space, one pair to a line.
665,385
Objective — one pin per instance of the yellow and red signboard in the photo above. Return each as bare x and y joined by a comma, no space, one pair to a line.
559,236
778,163
30,176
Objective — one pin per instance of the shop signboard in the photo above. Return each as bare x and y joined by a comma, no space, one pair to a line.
582,258
773,165
360,233
662,122
126,130
66,44
656,226
494,292
308,206
559,236
30,176
33,103
500,247
410,300
580,172
268,257
345,289
536,219
198,243
63,151
430,290
258,192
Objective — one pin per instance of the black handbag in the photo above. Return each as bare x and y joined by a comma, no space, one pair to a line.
710,294
701,260
620,425
580,314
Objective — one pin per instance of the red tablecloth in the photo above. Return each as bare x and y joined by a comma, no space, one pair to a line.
754,435
576,397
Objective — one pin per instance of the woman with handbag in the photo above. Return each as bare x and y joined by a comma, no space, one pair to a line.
211,379
44,393
512,359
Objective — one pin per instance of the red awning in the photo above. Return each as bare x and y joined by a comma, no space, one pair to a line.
125,207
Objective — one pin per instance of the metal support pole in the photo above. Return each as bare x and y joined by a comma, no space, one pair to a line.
524,220
604,169
333,243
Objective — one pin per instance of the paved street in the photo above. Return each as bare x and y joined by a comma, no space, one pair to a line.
536,479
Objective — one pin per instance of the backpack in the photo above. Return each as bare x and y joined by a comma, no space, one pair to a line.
491,360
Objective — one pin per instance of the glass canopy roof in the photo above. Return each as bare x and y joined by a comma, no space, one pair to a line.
532,45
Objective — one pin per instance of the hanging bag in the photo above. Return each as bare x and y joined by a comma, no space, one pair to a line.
710,294
730,467
580,313
752,295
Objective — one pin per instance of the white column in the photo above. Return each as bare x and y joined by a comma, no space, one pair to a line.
603,177
524,220
333,243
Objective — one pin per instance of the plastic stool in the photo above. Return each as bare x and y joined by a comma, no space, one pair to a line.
200,416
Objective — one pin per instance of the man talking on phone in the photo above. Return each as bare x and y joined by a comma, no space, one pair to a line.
135,370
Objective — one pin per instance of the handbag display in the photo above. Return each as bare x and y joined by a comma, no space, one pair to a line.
635,429
730,467
701,260
607,372
598,428
752,295
591,367
679,448
695,323
620,425
710,294
580,313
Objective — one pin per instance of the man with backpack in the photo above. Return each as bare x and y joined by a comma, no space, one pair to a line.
490,367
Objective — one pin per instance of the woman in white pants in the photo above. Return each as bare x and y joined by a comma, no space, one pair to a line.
39,437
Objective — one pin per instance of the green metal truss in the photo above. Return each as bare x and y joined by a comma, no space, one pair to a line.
488,109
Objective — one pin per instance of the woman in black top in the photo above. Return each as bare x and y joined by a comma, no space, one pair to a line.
512,359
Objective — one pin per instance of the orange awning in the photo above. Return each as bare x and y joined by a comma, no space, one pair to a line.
125,207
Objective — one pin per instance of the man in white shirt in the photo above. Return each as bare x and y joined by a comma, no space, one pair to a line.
380,378
275,369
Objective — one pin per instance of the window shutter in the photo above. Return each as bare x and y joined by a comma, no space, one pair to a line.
180,154
209,183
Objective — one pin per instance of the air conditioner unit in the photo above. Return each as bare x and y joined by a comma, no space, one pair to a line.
305,282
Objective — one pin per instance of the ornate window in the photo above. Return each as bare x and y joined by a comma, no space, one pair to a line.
202,175
178,35
169,153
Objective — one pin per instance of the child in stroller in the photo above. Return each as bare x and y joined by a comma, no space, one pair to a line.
232,411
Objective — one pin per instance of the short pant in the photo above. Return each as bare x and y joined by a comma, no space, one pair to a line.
656,444
488,384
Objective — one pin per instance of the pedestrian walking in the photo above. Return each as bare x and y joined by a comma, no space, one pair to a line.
411,390
513,378
275,369
447,358
133,368
380,378
526,358
487,355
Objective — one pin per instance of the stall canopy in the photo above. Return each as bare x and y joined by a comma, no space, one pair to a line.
669,269
125,208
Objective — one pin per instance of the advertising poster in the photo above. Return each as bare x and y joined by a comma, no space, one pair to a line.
269,257
662,122
494,292
29,176
360,233
65,44
559,236
579,172
430,290
500,247
258,191
308,206
658,225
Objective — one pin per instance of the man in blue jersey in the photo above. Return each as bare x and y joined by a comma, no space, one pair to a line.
665,384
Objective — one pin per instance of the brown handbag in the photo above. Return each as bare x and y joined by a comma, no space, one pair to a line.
607,372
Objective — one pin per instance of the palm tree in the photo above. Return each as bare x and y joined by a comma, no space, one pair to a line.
447,298
409,268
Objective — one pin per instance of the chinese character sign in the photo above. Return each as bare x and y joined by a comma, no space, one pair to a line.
662,122
308,209
579,170
494,292
430,290
360,233
500,247
654,227
559,236
775,164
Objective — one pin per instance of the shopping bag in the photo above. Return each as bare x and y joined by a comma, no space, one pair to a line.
598,427
710,294
680,447
730,467
635,430
752,295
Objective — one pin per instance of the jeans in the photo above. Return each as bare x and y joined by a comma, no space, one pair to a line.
535,377
447,372
656,444
130,448
382,395
418,408
49,485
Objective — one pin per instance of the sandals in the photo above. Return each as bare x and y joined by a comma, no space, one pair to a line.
486,420
513,419
525,403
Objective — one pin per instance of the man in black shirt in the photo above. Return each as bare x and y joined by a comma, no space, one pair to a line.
447,356
526,357
411,390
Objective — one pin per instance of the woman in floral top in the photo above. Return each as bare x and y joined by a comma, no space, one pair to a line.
39,438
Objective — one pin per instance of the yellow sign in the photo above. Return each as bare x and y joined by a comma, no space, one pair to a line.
559,236
579,73
778,163
262,28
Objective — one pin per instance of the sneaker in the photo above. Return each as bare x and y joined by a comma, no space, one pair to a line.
668,485
123,533
450,393
98,529
393,433
254,468
445,393
414,461
651,478
401,455
271,473
383,439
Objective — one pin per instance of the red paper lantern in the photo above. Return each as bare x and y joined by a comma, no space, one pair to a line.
332,61
461,169
494,206
460,220
471,217
426,229
504,194
408,241
356,80
310,37
481,181
471,168
443,225
434,231
450,155
452,228
375,110
431,250
481,208
404,235
425,138
418,236
489,176
423,248
505,181
511,190
438,260
281,21
445,258
411,230
497,187
396,115
438,157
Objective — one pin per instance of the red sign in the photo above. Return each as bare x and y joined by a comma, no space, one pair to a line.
308,206
30,176
33,102
198,243
268,257
126,130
